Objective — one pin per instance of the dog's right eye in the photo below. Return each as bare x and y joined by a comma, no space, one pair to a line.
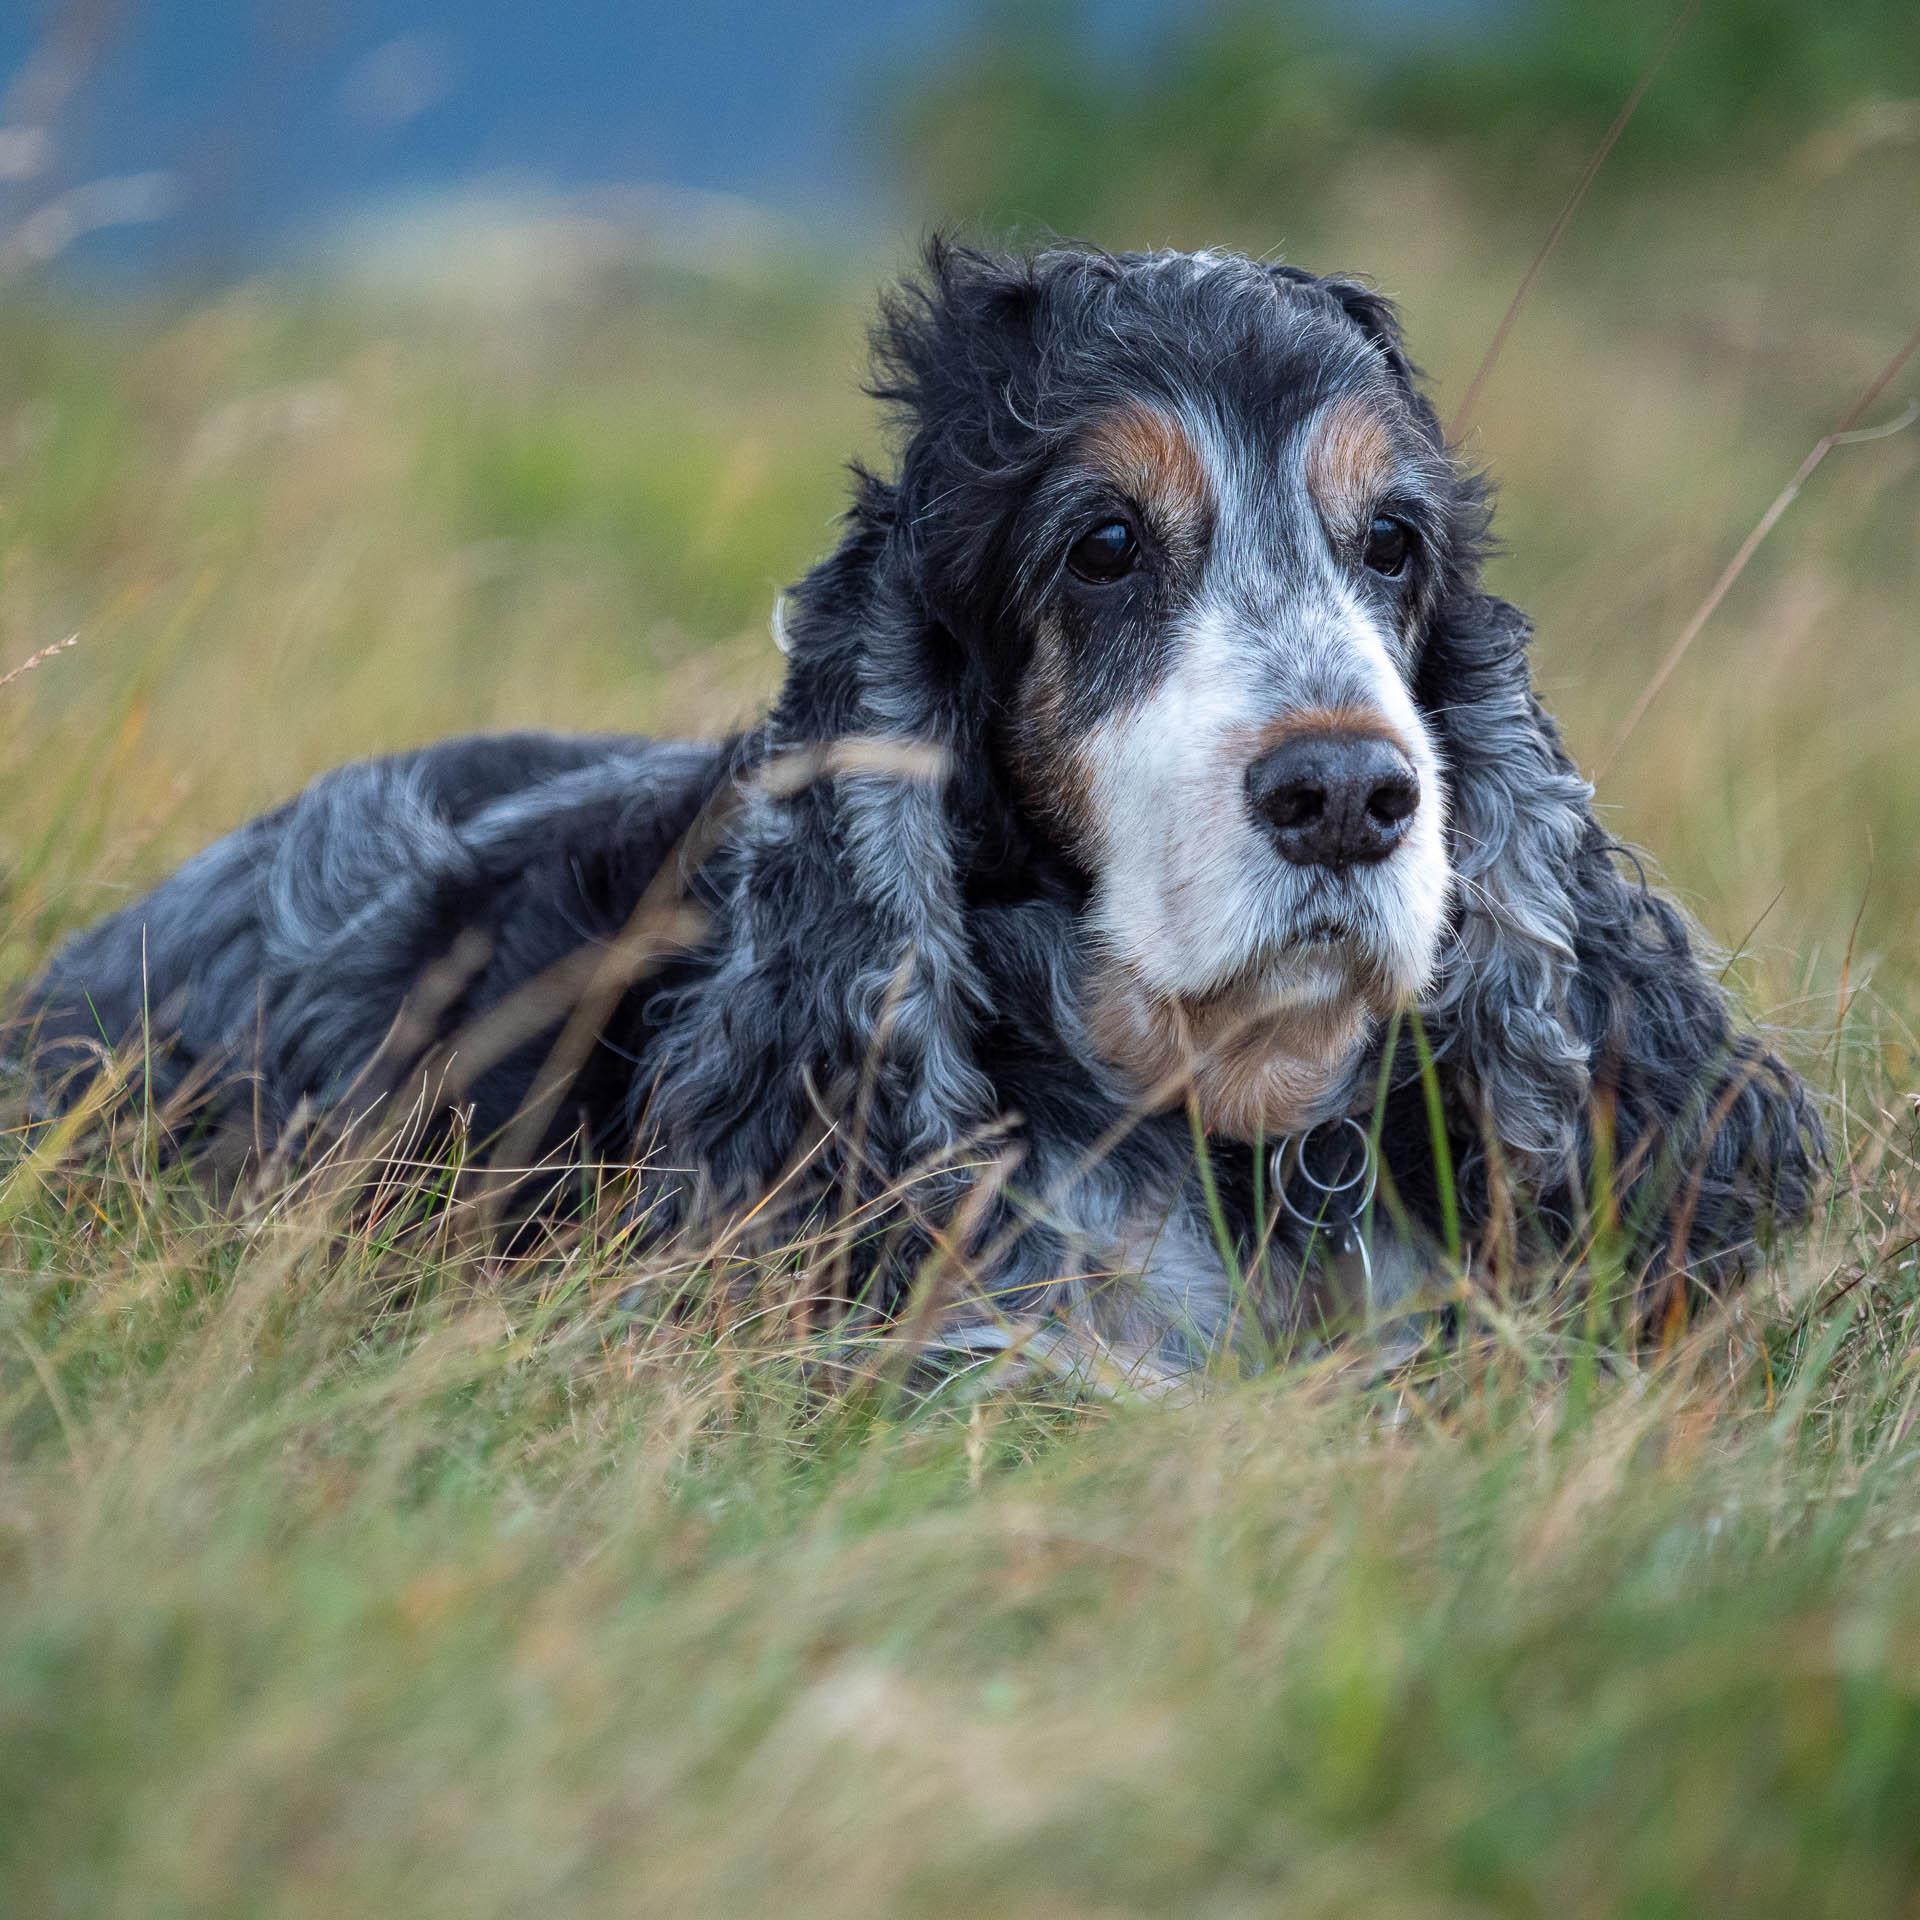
1110,552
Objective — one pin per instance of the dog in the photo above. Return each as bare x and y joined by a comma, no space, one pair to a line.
1157,846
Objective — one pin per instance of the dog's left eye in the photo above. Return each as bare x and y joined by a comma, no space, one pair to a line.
1108,553
1389,546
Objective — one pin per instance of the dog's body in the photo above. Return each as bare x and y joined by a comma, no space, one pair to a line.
1177,582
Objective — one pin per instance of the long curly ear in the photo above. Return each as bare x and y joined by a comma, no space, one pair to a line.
1574,999
1714,1141
947,339
844,957
1503,1007
955,362
838,914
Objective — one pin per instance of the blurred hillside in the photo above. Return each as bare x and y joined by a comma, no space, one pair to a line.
1251,111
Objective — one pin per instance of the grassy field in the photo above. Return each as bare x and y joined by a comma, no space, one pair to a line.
343,1572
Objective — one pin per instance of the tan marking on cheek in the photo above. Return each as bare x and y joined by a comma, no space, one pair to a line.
1051,774
1349,461
1252,1069
1151,458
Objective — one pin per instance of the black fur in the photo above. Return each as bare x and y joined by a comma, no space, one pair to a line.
926,933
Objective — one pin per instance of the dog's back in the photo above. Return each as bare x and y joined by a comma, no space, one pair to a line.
268,969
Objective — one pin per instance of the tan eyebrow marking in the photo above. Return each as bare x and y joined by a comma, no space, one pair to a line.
1350,459
1150,457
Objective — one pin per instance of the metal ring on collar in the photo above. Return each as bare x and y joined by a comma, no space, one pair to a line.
1291,1157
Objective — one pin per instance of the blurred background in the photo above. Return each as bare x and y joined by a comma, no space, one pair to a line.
371,370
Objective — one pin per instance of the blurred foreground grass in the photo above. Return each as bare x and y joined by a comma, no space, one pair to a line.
342,1572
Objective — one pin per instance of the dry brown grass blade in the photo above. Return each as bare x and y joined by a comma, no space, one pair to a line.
1750,545
38,659
1463,414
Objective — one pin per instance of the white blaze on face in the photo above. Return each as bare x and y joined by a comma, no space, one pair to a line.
1191,894
1176,889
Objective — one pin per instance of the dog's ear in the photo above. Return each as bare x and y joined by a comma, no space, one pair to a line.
1501,1010
950,332
955,361
1573,999
843,987
1713,1140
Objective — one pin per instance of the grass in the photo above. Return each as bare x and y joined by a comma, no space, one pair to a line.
343,1569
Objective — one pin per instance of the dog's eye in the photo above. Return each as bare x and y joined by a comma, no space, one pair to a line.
1108,553
1389,546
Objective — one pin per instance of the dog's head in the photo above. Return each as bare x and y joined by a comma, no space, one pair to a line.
1179,575
1192,521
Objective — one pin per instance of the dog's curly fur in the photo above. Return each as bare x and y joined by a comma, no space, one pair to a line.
1079,916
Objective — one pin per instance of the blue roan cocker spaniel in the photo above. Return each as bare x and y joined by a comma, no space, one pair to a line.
1151,788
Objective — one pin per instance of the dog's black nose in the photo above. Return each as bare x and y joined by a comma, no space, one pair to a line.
1334,799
